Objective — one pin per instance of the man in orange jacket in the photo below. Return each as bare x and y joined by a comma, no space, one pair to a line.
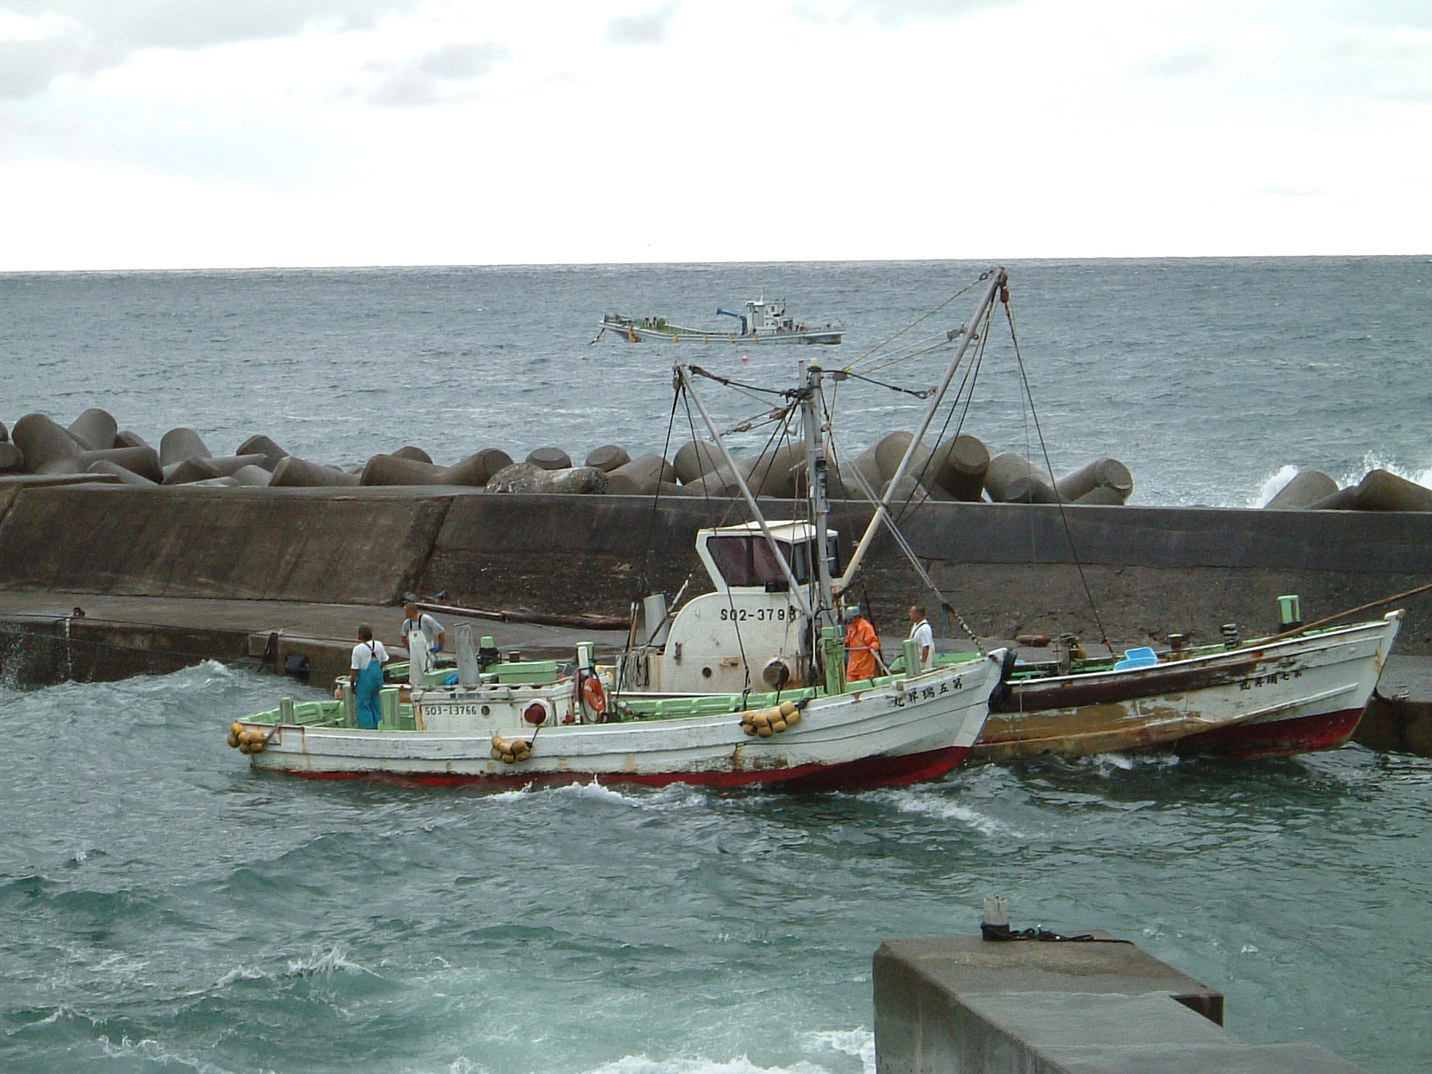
860,645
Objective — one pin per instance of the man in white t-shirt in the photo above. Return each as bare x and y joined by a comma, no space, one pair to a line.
923,636
369,656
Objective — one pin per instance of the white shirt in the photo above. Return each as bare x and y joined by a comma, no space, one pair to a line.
430,627
363,655
924,639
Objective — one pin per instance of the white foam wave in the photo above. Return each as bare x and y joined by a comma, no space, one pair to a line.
318,961
1372,461
855,1042
152,1052
676,794
1274,485
929,802
1348,478
1107,764
240,973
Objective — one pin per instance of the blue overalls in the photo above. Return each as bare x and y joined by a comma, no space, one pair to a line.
366,685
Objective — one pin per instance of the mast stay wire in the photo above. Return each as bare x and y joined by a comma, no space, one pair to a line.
910,554
874,351
1044,452
779,432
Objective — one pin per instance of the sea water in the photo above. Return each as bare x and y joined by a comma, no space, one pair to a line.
162,907
1208,379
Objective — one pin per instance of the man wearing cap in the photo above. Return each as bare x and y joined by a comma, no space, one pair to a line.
860,645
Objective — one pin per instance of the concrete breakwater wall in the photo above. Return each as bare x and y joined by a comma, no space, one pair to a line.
1131,574
959,469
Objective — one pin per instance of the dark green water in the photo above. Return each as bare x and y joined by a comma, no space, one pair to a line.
163,908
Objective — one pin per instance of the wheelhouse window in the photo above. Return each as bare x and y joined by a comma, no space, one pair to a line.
749,561
745,561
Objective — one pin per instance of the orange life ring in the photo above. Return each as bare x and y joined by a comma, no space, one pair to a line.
594,698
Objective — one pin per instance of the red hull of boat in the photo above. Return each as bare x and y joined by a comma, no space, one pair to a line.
866,774
1280,738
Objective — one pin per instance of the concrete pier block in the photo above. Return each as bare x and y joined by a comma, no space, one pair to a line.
129,438
721,483
416,454
958,466
641,476
528,477
608,457
4,433
550,458
260,444
295,472
179,445
1101,473
1304,489
12,459
206,469
491,460
398,470
123,473
214,483
472,471
95,429
891,449
867,467
143,461
965,1005
1028,490
910,491
253,476
1101,497
1341,500
780,472
1381,490
1012,478
48,448
694,458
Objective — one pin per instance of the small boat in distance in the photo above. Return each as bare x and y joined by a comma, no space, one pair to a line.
763,322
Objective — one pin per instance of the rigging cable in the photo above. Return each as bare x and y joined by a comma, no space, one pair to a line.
914,559
710,513
891,339
1044,450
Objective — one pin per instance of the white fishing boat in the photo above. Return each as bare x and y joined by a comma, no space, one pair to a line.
1268,697
744,685
765,321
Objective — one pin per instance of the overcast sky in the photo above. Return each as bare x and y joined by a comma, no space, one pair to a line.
211,133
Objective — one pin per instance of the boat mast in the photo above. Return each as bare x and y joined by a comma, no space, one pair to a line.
684,375
816,428
998,281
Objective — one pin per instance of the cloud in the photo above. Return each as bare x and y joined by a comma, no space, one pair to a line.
650,29
436,76
87,36
896,13
1184,63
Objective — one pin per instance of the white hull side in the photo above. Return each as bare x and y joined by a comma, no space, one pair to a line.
1262,699
940,712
